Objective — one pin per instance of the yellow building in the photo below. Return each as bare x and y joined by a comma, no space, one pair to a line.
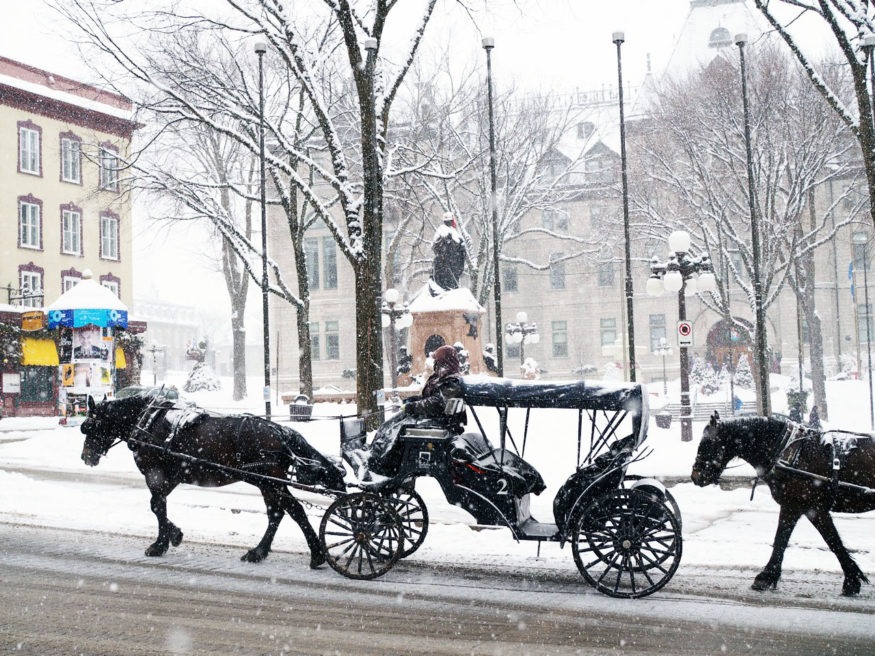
64,206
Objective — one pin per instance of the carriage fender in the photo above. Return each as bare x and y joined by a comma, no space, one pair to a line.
650,484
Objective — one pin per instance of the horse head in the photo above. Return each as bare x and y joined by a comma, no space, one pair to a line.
105,423
713,454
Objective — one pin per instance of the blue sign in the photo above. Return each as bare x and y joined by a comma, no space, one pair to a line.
87,316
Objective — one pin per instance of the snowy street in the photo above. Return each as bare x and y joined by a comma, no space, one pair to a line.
83,530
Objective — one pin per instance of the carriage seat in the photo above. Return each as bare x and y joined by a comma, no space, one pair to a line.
603,473
474,449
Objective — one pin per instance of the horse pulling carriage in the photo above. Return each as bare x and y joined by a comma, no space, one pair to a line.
808,472
625,531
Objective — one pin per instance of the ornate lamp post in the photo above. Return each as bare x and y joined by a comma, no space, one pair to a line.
679,275
662,350
260,49
395,317
618,38
759,311
488,45
155,350
522,332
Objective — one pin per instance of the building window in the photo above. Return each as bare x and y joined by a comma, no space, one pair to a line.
512,351
315,351
311,255
29,148
609,331
111,285
36,384
554,220
606,274
657,331
585,129
30,281
557,271
108,168
29,222
69,279
71,159
332,340
560,338
509,278
329,262
109,237
71,231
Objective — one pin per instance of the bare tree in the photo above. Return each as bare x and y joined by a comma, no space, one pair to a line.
694,153
849,21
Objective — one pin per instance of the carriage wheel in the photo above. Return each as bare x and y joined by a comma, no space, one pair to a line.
361,535
627,543
669,499
414,519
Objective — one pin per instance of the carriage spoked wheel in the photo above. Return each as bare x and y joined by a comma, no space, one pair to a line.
627,543
414,518
361,535
669,499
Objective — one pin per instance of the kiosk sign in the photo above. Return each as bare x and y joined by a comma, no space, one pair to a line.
685,333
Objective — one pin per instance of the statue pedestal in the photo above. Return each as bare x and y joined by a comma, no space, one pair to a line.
450,317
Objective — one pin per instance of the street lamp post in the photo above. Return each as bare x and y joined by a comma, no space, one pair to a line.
662,350
395,317
759,311
260,49
861,239
488,45
618,38
679,275
155,350
522,332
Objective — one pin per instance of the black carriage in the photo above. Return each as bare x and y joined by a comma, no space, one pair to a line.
624,530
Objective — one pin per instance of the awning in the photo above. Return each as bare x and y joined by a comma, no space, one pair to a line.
120,362
39,352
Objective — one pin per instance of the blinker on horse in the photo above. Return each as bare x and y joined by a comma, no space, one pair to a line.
808,473
171,447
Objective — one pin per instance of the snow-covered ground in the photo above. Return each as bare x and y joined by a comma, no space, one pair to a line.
721,528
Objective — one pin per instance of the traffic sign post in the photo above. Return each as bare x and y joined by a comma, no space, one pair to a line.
685,333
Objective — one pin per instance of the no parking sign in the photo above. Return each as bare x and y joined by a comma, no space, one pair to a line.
685,333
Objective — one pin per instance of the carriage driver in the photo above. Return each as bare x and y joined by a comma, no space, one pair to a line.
445,383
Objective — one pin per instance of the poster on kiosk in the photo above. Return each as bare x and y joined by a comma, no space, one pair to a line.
87,316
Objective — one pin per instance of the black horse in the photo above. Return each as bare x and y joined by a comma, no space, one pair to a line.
808,473
187,445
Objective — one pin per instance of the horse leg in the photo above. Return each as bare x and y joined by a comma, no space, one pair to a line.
823,522
168,532
771,573
274,517
296,512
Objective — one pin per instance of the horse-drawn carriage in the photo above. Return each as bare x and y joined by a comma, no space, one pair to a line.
625,531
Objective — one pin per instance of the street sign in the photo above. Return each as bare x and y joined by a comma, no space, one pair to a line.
685,333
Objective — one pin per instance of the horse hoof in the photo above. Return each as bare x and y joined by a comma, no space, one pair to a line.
760,586
176,538
316,560
253,556
156,550
851,589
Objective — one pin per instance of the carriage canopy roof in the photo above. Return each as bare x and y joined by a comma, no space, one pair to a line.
577,395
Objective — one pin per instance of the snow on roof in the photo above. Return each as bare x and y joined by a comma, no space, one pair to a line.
88,295
453,299
37,81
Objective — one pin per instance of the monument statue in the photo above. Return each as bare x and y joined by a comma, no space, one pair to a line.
449,255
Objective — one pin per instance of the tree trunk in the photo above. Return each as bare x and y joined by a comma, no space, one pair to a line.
238,348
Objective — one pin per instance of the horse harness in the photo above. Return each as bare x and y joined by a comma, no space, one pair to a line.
796,437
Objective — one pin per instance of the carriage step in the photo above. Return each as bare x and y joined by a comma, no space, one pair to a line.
533,529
